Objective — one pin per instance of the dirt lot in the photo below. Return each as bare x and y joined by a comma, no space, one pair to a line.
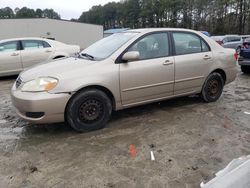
191,141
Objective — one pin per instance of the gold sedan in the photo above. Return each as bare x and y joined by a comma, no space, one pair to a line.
126,69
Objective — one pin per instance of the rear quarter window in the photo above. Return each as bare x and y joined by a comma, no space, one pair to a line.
46,44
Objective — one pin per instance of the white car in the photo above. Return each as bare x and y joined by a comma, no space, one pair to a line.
20,53
231,41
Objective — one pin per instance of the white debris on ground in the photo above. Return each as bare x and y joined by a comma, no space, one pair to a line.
152,156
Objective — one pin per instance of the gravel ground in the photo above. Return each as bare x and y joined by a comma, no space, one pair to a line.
191,141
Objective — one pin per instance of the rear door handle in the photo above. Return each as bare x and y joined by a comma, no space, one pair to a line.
47,51
15,54
167,62
206,57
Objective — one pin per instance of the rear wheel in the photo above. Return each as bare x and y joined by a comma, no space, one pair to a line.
245,69
58,57
213,87
88,110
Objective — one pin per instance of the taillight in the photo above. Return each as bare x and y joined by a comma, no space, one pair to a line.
236,55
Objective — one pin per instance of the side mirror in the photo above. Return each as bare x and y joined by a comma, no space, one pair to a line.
131,56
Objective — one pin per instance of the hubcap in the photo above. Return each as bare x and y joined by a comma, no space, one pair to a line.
213,88
90,111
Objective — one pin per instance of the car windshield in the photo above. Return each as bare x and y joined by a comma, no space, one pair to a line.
106,46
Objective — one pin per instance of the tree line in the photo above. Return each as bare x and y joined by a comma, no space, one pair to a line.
215,16
25,12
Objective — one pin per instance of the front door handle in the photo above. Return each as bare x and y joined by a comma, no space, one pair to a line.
15,54
206,57
167,62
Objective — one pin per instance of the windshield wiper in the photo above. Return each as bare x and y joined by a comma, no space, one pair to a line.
87,55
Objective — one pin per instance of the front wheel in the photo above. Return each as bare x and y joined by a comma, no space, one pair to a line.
88,110
212,88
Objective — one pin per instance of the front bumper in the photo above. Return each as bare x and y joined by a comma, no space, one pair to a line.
50,106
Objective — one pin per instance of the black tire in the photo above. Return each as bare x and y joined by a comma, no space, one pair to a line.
213,87
88,110
245,69
58,57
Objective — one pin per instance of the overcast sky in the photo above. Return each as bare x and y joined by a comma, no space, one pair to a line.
66,8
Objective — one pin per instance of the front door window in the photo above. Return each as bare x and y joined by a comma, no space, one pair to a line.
152,46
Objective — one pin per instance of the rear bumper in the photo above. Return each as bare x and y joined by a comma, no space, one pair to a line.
231,74
244,62
40,107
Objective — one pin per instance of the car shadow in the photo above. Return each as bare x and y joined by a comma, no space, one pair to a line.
58,129
152,107
32,135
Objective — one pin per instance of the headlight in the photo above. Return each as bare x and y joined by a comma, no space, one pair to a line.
40,84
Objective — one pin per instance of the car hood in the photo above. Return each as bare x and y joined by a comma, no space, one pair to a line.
60,68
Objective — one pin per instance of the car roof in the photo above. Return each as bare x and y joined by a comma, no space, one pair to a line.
25,38
51,42
146,30
232,35
218,37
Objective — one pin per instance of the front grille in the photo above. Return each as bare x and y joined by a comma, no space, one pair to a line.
18,82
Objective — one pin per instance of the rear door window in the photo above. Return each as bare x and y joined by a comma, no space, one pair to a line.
188,43
236,39
32,44
229,39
